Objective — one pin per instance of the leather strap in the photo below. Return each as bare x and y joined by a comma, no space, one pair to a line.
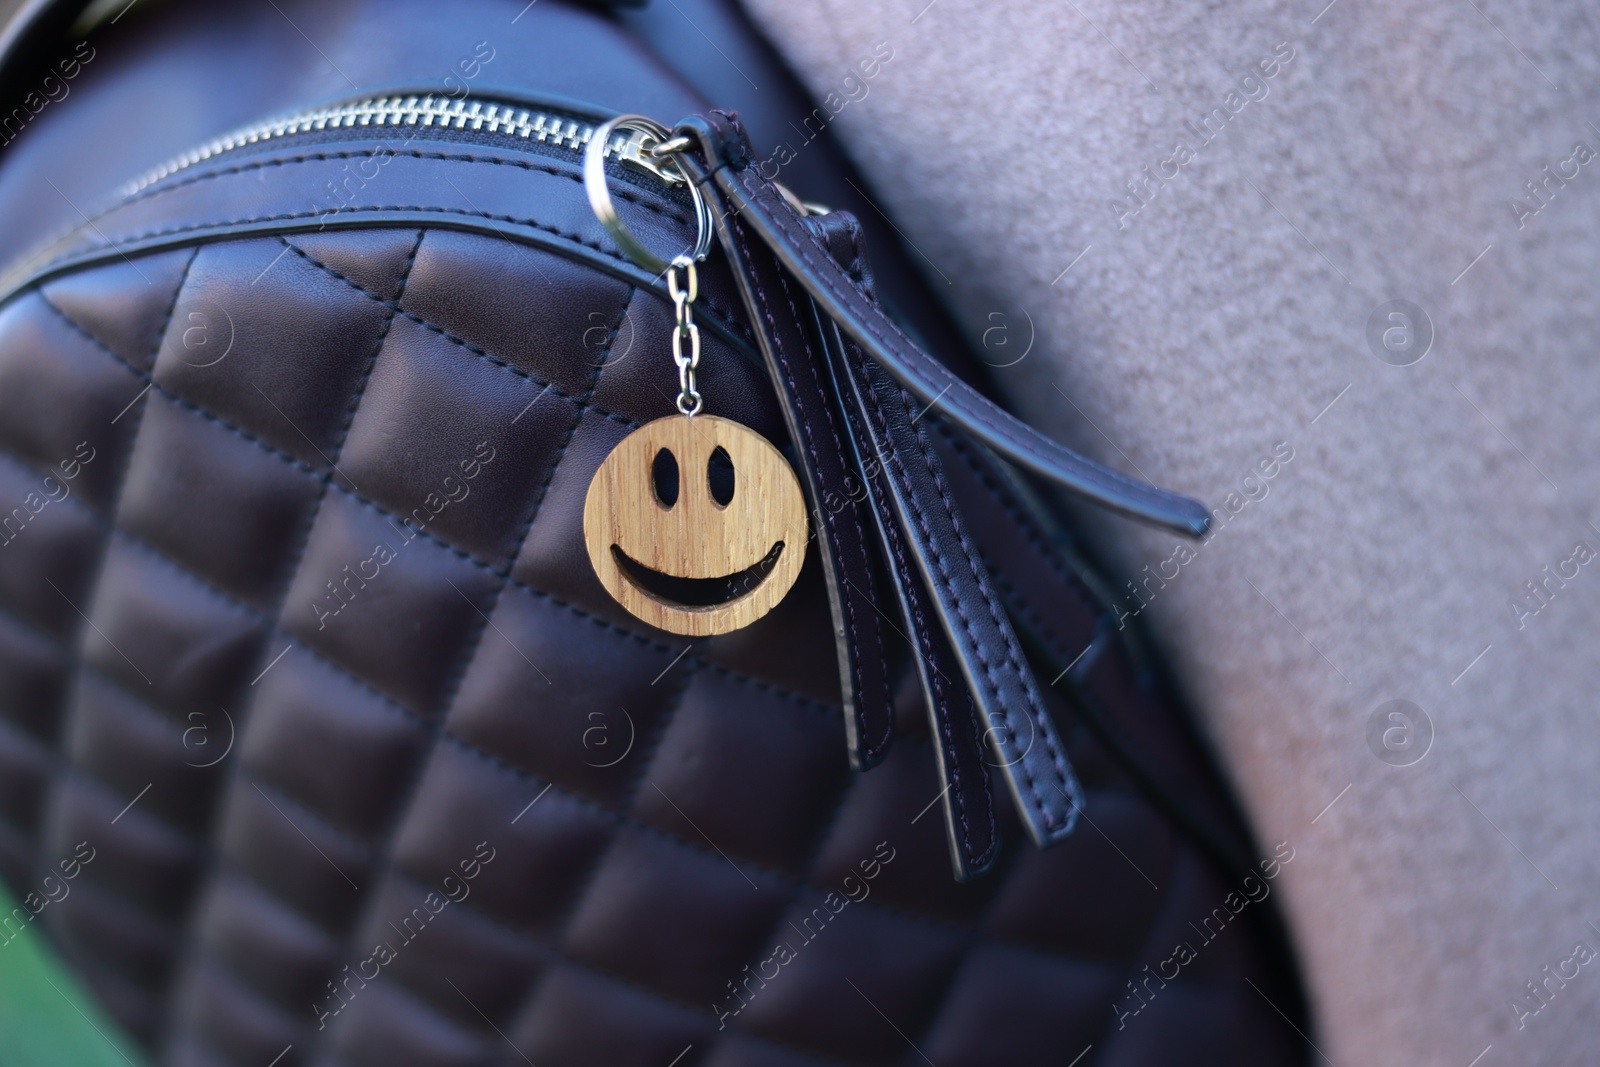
953,721
849,559
1008,707
978,688
763,209
954,724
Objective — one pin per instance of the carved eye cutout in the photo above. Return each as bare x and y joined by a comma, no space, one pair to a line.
719,476
664,473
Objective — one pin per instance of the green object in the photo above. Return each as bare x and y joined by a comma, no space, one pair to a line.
47,1017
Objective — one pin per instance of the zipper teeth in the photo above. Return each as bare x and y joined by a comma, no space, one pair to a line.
419,111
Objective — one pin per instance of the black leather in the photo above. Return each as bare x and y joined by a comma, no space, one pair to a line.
758,204
464,710
852,567
954,723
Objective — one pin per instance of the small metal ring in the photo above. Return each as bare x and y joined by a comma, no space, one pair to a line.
594,183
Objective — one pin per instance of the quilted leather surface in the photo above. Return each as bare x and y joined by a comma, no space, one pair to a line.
482,670
309,651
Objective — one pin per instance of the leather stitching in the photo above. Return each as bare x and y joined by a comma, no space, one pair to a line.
1066,782
692,659
621,821
455,739
190,942
761,684
872,751
582,403
319,157
913,597
606,624
1038,802
619,816
475,640
846,595
551,952
522,774
549,947
1025,523
885,333
505,568
75,651
721,315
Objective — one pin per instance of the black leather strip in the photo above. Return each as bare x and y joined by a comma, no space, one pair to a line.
1018,728
763,209
849,558
287,205
953,721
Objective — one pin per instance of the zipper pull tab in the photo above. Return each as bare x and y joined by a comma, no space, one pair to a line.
638,150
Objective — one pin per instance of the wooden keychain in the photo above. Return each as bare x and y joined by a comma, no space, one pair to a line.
694,523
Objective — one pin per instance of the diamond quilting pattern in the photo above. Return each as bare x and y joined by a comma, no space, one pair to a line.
62,400
373,768
242,542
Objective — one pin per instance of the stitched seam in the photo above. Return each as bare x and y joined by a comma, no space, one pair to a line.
326,477
541,944
175,304
846,594
394,307
722,316
294,461
504,570
874,321
618,816
417,771
762,685
1019,604
1025,523
475,642
1067,781
1021,766
855,516
799,700
978,937
620,822
204,848
191,941
389,701
914,599
846,791
320,157
75,651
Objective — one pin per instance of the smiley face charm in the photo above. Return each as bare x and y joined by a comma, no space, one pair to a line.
696,525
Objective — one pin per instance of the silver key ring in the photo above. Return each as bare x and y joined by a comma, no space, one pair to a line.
656,136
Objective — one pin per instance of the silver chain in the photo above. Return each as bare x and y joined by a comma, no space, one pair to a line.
683,298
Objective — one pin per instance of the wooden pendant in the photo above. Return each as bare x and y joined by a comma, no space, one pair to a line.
696,525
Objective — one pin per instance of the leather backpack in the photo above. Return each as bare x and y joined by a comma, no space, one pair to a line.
311,346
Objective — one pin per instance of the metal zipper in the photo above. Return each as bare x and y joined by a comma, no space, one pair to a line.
501,121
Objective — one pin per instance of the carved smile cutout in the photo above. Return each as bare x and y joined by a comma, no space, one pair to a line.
697,592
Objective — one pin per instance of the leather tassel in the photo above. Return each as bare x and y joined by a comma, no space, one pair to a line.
847,376
954,723
850,558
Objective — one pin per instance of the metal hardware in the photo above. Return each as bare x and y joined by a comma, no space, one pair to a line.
655,143
420,113
683,298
